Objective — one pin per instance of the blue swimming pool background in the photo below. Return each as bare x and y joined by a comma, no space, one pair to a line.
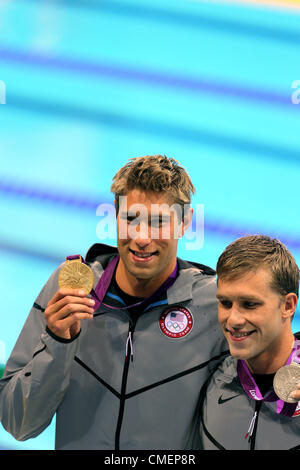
90,84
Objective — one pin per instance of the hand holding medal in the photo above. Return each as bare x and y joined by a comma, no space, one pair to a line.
69,305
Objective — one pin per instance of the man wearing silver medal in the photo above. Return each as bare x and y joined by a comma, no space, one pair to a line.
122,367
251,401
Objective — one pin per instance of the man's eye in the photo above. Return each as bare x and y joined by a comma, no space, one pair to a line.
159,222
250,305
156,223
131,220
226,303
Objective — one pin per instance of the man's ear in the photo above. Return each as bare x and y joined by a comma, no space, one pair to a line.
289,305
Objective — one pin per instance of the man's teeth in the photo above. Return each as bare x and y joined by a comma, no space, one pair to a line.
142,255
240,335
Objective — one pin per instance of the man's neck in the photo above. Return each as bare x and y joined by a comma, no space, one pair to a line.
270,361
138,287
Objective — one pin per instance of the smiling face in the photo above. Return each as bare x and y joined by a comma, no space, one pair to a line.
148,235
256,320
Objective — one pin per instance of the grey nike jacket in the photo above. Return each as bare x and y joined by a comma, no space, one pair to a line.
226,413
101,399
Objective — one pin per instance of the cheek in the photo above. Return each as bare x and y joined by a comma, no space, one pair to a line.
122,244
122,233
274,326
222,314
168,248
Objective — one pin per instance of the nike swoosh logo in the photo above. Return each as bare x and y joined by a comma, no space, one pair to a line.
223,400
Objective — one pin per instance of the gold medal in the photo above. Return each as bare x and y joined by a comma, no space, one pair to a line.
76,275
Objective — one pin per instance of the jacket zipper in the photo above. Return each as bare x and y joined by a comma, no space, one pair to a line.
128,355
252,437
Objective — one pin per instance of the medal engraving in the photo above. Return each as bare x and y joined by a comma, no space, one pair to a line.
286,380
76,275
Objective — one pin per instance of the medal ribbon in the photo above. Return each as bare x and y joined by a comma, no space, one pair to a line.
251,389
100,290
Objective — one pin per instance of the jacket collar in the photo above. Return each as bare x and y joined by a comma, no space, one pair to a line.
100,254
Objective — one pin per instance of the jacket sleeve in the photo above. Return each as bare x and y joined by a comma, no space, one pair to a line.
37,372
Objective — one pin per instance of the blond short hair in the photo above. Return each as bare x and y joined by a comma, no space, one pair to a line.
252,252
156,173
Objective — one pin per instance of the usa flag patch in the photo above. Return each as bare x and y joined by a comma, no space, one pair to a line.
176,322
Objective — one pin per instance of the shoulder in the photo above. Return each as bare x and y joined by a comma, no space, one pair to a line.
190,280
225,376
201,268
198,276
101,251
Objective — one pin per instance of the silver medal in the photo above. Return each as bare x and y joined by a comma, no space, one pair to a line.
286,380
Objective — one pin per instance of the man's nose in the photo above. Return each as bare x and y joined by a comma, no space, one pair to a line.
143,242
235,318
143,235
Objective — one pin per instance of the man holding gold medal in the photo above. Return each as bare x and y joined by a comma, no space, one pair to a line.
251,402
119,344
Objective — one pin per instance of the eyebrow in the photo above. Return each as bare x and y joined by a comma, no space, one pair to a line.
163,217
240,298
160,216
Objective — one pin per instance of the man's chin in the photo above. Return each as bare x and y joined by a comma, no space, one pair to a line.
239,354
141,274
